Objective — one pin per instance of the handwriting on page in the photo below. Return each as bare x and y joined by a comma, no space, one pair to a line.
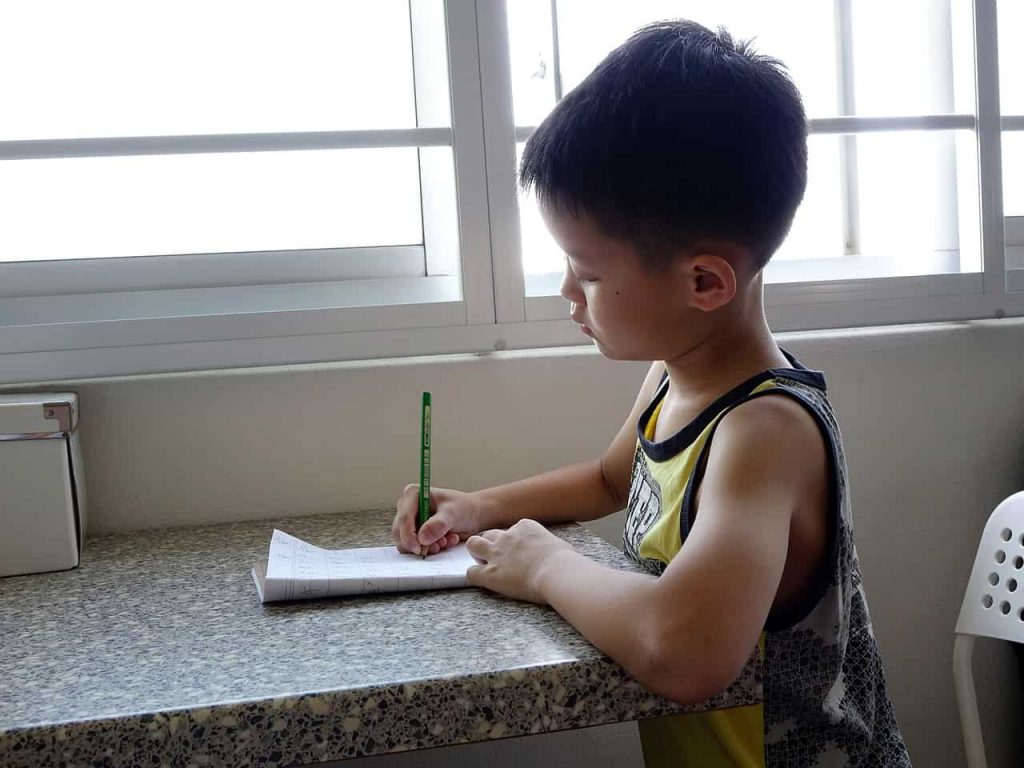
296,570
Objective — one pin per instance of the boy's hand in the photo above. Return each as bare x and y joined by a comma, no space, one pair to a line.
455,518
514,560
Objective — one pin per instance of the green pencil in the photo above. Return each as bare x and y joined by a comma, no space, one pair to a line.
424,509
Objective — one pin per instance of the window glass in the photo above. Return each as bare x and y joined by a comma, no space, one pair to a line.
917,34
904,186
1013,175
903,58
531,59
586,37
907,193
540,252
1011,56
883,204
1011,102
213,203
817,229
123,68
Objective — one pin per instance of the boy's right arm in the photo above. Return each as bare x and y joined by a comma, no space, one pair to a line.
578,492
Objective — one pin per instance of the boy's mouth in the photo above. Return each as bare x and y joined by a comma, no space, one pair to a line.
574,316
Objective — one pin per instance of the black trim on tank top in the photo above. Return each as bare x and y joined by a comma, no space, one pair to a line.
669,447
778,620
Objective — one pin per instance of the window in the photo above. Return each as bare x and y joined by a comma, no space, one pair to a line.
892,188
198,185
1011,100
195,172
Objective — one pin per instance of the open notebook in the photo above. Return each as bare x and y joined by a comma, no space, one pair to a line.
296,570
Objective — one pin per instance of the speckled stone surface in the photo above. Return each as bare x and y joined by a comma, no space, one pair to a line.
156,651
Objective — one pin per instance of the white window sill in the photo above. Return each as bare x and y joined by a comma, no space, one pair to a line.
38,333
101,335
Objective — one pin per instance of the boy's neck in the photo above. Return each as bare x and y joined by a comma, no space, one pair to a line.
730,352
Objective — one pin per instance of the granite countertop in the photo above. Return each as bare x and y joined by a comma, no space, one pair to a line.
157,651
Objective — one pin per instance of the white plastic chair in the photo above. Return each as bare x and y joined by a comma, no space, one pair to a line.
993,607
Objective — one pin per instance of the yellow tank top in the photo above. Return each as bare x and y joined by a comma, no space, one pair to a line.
723,737
825,701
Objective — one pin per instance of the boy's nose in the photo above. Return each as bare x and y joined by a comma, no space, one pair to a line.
570,287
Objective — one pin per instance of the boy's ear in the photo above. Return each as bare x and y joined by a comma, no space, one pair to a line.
711,281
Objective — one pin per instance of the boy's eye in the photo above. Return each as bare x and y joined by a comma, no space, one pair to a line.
586,279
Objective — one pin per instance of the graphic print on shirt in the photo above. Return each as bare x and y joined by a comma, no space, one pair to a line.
642,511
825,699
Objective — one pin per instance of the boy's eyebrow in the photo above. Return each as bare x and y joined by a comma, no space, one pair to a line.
576,261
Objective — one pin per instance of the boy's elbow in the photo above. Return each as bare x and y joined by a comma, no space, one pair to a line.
686,676
687,687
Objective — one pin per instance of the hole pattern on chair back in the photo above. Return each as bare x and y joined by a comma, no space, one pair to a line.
993,604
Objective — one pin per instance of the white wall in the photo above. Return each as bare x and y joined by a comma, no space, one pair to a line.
933,418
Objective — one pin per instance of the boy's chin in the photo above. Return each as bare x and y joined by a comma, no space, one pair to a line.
635,354
612,353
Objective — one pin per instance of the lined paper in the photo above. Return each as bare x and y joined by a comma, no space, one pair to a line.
297,570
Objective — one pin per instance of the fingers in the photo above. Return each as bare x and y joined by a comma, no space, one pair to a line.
481,547
435,529
475,575
400,535
403,529
445,528
447,540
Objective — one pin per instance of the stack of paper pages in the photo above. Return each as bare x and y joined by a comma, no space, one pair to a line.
296,570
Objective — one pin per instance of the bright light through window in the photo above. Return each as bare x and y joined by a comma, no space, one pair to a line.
1011,102
117,69
1013,173
124,68
586,37
173,204
876,204
1011,57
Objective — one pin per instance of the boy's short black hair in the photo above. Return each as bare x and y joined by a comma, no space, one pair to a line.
679,135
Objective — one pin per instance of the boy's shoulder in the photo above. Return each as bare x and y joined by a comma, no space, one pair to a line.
774,429
781,417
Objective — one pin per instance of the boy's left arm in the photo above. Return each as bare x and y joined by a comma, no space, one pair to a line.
688,633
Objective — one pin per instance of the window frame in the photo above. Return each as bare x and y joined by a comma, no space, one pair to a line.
66,320
100,317
824,304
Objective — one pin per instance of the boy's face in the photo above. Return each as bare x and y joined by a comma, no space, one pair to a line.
632,311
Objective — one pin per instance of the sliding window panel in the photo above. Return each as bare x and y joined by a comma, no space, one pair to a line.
1010,22
808,49
892,204
190,175
543,260
1013,173
917,202
848,57
533,60
1013,207
910,57
103,207
124,68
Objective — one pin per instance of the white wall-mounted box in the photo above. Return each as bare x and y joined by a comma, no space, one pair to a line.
42,493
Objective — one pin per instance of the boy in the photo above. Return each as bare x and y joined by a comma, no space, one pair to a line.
669,177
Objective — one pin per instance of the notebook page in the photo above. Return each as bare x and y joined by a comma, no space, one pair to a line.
297,570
